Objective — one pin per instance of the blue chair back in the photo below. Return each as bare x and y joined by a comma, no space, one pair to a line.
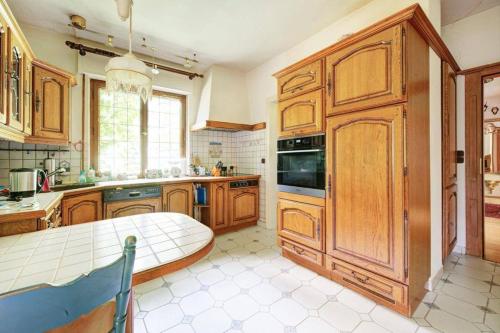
44,307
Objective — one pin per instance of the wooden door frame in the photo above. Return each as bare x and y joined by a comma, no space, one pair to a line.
474,198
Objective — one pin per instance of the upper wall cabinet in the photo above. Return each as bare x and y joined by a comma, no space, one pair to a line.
304,79
368,73
3,68
15,74
302,114
50,105
27,94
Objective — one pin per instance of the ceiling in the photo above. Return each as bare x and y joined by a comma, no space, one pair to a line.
455,10
233,33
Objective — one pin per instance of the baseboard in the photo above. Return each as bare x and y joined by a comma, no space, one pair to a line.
460,249
434,280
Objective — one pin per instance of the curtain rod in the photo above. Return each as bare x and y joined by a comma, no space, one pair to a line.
83,50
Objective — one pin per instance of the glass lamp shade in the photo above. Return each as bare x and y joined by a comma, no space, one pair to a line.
129,75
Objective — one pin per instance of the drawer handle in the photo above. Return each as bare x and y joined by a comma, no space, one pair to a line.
296,89
329,84
134,194
298,250
363,279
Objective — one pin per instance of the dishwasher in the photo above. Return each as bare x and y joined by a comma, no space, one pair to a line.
120,202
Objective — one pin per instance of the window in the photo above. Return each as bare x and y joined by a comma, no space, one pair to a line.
118,120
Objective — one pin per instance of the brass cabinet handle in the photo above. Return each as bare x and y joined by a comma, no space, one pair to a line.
329,186
298,250
329,84
37,102
359,278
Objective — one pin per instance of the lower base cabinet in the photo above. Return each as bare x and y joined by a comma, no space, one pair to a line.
132,207
82,208
243,205
178,198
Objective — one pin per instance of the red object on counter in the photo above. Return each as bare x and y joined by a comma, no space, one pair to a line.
45,185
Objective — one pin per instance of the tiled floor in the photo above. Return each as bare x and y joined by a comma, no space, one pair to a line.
244,285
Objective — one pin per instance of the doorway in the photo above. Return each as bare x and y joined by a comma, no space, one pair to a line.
491,166
482,155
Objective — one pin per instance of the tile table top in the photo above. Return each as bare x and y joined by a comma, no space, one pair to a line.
60,255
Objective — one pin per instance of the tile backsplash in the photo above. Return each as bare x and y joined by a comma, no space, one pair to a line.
17,155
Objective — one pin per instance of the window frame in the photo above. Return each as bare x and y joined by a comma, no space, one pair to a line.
95,85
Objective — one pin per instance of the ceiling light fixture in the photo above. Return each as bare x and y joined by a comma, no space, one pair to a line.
127,73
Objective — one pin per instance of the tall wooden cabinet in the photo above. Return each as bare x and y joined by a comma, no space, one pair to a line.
449,153
375,235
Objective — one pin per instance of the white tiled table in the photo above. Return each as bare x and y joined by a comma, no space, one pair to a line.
62,254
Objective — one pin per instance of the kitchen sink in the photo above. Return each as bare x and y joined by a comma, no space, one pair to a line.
65,187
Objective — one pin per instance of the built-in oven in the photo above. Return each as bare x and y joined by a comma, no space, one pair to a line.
301,165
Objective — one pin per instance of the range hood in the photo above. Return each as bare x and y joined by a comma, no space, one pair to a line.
224,102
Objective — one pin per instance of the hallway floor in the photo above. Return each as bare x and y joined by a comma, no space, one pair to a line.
244,285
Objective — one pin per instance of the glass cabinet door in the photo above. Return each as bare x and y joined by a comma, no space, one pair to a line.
15,87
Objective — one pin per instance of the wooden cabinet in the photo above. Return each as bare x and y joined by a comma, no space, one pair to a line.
306,78
366,203
15,68
367,73
302,221
50,105
19,227
219,205
449,154
305,254
243,205
27,94
4,46
82,208
301,115
178,198
131,207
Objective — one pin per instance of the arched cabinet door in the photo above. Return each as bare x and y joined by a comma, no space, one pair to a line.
219,205
368,73
243,205
178,198
82,208
302,114
365,222
132,207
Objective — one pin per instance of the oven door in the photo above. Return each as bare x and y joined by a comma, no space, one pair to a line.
302,172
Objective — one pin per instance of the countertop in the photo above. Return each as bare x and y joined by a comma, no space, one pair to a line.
46,201
62,254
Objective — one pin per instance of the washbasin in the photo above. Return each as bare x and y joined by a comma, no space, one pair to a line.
65,187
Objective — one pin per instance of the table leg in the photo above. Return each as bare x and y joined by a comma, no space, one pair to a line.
129,327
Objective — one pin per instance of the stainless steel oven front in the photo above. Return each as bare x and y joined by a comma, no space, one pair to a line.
301,165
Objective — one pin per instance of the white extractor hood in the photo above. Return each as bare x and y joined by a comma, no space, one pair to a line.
224,102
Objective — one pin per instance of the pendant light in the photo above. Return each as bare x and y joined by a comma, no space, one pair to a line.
128,74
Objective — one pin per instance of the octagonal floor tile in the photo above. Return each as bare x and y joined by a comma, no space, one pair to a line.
340,316
196,303
309,297
265,294
212,321
223,290
185,287
241,307
316,325
163,318
210,277
261,323
154,299
247,279
288,311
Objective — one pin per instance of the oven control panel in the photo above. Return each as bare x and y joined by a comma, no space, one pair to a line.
243,183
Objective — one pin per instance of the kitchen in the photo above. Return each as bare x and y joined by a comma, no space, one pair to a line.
285,186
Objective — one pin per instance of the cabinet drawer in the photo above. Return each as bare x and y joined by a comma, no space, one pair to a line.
302,114
378,288
302,223
306,78
366,74
301,251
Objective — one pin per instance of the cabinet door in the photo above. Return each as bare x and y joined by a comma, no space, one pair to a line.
51,104
219,205
302,114
15,117
243,205
82,208
450,222
367,73
4,67
306,78
132,207
301,222
365,202
27,98
178,198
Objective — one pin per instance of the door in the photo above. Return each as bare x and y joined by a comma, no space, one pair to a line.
367,73
365,222
449,152
301,222
132,207
306,78
15,117
178,198
82,208
301,115
243,205
51,104
219,205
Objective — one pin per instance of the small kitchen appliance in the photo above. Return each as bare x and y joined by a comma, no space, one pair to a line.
23,183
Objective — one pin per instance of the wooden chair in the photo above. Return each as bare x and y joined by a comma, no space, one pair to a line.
46,307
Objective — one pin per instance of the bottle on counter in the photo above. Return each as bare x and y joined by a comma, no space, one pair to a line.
82,178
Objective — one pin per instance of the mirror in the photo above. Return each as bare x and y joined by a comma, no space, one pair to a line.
491,132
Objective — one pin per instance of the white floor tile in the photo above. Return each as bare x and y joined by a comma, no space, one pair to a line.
316,325
163,318
309,297
339,316
261,323
288,311
241,307
212,321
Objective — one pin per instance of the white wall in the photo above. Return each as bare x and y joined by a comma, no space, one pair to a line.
262,89
473,41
